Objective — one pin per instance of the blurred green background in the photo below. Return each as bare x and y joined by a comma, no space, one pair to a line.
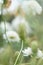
36,23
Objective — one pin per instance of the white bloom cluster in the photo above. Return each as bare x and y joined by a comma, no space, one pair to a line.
27,6
20,20
28,51
12,36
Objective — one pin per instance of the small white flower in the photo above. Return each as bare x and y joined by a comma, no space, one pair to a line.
19,20
39,54
7,25
31,6
27,52
12,36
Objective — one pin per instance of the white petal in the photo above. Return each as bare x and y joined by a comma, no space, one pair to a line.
39,54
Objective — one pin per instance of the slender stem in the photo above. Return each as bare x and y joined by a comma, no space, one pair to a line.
4,21
5,32
19,54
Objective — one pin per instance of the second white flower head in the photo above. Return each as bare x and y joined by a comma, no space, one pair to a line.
31,6
11,36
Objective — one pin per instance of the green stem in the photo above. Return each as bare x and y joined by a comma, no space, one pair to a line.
19,54
5,31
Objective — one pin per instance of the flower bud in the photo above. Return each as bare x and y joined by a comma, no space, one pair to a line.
21,26
34,46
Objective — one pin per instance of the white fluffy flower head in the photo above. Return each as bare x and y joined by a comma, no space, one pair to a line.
31,6
12,36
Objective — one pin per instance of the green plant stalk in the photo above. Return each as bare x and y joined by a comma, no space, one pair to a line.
4,22
19,54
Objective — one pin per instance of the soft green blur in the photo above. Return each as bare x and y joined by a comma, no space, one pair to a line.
12,50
